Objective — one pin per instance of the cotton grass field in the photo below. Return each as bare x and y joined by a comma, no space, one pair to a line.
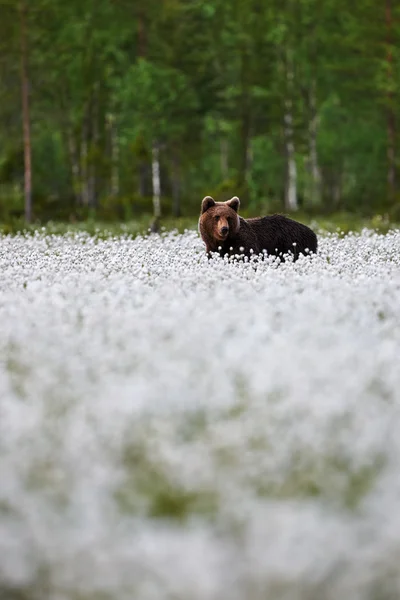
178,429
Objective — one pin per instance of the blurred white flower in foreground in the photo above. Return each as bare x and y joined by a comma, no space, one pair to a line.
177,428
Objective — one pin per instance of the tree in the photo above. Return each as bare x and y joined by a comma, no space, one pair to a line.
25,110
112,106
163,104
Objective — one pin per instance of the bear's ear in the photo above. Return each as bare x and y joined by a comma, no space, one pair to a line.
207,203
234,203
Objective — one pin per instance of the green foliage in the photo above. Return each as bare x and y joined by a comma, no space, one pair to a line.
210,84
161,97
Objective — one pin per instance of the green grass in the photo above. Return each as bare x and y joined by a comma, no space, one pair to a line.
339,222
99,228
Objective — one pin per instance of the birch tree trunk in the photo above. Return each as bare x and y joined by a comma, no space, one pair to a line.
155,170
291,168
25,113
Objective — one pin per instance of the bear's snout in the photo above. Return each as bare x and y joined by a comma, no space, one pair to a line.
224,230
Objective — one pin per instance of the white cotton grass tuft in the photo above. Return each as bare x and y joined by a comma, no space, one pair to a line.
173,427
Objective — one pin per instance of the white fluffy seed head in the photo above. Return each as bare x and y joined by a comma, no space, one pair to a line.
177,427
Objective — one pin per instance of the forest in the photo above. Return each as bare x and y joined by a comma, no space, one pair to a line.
122,108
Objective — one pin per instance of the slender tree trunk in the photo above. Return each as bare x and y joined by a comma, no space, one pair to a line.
291,168
390,118
25,112
291,174
143,167
314,166
156,180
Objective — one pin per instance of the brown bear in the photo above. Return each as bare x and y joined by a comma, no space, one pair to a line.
225,232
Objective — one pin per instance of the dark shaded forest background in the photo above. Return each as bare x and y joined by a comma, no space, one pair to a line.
120,108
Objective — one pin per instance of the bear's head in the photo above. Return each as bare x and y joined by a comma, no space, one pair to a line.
218,220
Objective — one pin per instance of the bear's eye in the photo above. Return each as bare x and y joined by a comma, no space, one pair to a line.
216,218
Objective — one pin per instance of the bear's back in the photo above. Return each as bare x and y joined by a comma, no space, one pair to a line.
278,234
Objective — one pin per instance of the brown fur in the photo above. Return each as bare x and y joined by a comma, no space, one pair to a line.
225,232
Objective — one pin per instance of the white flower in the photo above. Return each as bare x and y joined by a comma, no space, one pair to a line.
174,427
